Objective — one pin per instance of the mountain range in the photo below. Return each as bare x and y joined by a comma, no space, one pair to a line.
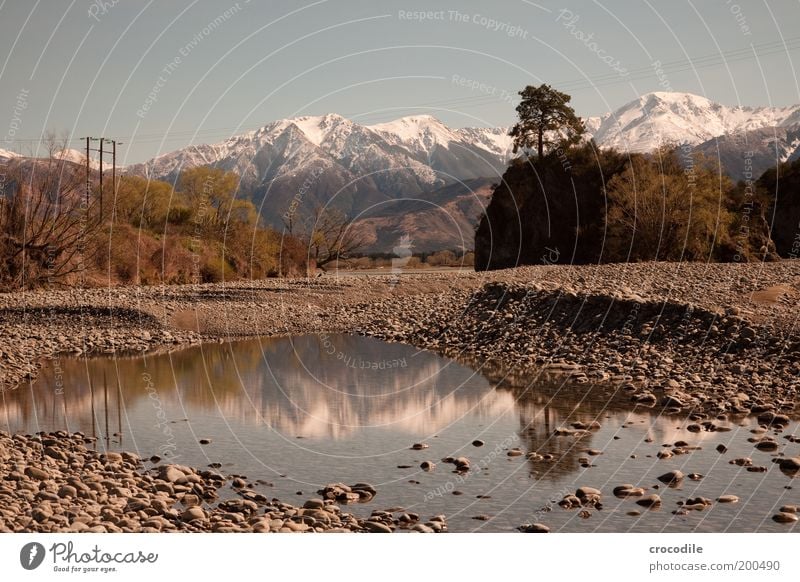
367,171
417,177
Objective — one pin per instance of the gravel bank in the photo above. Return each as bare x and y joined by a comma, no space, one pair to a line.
57,483
437,310
710,341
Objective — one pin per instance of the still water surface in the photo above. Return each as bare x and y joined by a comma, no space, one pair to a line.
301,412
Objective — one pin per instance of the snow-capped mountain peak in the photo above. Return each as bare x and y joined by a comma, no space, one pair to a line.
419,133
8,154
318,128
655,118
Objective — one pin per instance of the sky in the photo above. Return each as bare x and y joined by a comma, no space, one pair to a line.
158,76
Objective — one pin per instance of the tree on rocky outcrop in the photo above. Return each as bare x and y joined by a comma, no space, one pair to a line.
545,120
47,225
549,210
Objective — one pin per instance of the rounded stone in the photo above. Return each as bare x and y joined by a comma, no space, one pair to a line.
534,528
651,501
671,477
193,513
785,517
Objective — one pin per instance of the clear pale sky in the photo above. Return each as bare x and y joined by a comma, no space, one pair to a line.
87,67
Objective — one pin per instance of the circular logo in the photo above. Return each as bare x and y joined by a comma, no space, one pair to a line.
31,555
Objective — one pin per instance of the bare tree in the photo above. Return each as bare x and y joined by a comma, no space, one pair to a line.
331,237
47,225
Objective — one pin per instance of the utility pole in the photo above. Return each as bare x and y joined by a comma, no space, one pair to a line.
88,184
114,169
101,150
101,178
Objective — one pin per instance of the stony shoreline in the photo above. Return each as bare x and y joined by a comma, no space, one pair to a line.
710,341
56,483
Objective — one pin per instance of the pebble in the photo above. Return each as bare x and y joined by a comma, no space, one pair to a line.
628,490
377,527
92,497
767,446
534,528
462,463
652,501
671,477
193,513
36,473
785,517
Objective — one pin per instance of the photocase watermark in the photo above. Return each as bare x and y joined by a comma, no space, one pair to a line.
402,254
67,558
794,253
633,317
169,68
31,555
661,75
20,105
551,501
58,377
550,256
509,29
474,85
297,199
743,236
460,478
740,18
358,363
197,228
689,170
100,8
168,448
569,20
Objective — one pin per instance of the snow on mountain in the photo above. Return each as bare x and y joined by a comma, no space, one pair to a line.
310,161
329,157
79,157
656,118
8,154
745,156
69,155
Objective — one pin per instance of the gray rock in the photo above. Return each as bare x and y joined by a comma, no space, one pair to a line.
314,504
785,517
193,513
671,477
534,528
652,501
377,527
172,474
36,473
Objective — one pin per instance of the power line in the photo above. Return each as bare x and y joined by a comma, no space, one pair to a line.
603,80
